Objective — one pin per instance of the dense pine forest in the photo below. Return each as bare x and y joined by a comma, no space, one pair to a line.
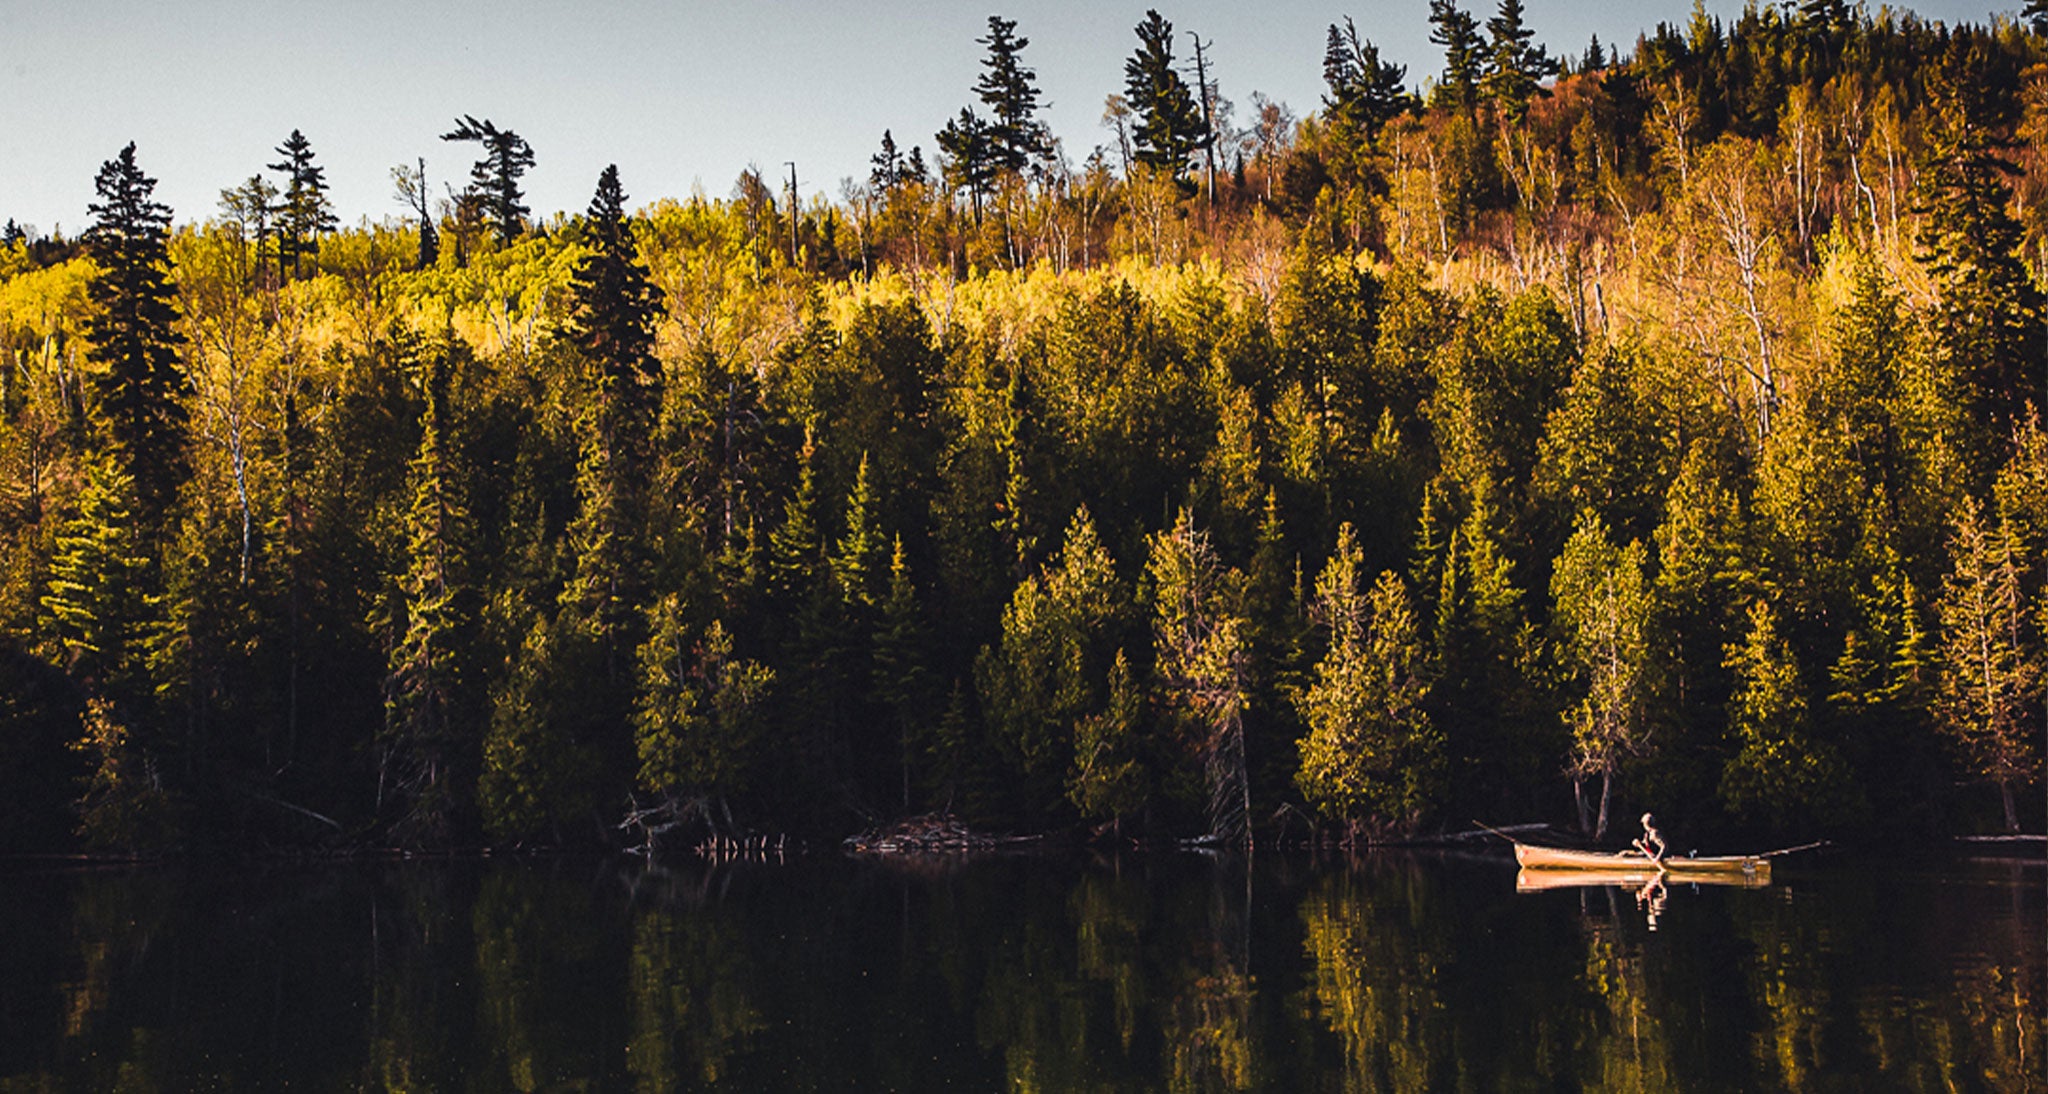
1647,428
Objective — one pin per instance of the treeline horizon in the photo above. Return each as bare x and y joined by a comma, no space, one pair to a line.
1649,432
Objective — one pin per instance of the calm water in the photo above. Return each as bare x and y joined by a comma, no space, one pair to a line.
1042,973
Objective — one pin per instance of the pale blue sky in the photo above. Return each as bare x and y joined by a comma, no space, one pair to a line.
678,93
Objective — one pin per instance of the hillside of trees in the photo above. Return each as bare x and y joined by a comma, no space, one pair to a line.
1648,429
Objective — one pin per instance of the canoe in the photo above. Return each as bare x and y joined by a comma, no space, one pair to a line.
1533,857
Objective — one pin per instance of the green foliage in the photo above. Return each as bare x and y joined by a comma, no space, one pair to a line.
304,213
1781,773
387,541
697,718
123,805
1108,779
1372,756
1601,610
1202,654
1049,669
1988,700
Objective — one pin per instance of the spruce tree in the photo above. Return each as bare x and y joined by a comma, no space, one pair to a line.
139,384
304,213
495,178
1989,313
1170,127
615,311
1010,91
427,737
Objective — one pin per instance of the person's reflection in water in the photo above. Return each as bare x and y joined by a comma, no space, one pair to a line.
1651,897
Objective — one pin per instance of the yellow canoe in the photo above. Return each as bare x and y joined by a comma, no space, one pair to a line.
1532,857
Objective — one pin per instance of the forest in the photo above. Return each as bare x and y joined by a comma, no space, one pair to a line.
1545,438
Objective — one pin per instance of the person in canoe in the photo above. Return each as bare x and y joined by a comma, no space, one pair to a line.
1650,838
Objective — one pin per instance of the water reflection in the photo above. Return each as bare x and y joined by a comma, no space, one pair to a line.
1160,972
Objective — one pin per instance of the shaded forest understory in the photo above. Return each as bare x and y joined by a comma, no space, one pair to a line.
1652,430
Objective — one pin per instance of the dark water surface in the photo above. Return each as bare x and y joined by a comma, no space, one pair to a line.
1055,973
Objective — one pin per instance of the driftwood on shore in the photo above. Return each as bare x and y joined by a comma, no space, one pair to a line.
932,832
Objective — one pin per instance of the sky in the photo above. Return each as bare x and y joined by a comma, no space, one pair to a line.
682,95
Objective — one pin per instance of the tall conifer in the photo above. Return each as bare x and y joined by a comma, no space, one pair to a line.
139,383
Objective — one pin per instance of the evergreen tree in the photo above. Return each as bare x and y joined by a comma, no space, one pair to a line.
1048,670
254,211
95,609
1781,772
615,310
971,161
1371,758
1107,781
1010,91
134,340
1989,312
1515,66
426,735
305,213
1464,54
903,680
696,719
1365,92
495,178
1170,127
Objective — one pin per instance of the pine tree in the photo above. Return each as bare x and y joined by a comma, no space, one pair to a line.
1010,91
1464,54
1170,127
856,559
1514,67
305,213
1047,670
134,340
495,178
970,151
1107,780
1365,92
903,681
95,608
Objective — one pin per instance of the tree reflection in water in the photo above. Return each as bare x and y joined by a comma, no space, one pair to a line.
1178,972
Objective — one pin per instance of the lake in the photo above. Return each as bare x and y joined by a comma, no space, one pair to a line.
1044,972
